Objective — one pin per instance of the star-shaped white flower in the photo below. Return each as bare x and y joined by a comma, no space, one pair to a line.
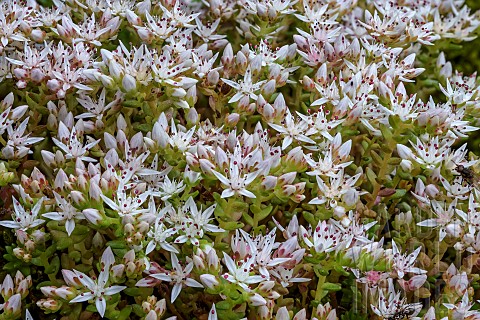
98,289
67,213
179,276
72,147
24,220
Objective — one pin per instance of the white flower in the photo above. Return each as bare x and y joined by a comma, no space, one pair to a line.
339,188
168,188
95,109
333,160
18,144
125,204
237,180
179,276
461,310
286,276
291,130
245,88
445,217
325,237
391,304
195,223
239,272
23,220
159,235
69,143
403,263
68,213
98,289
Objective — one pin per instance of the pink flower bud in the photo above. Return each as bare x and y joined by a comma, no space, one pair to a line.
241,60
152,315
53,85
406,165
38,35
288,190
269,182
132,18
232,119
92,215
213,77
7,287
431,190
287,178
269,88
37,75
198,262
20,73
206,166
209,281
256,300
227,57
13,306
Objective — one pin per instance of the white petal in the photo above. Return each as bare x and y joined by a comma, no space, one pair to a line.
70,226
101,305
176,291
81,298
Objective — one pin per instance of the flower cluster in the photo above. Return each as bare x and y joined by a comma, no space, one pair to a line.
239,159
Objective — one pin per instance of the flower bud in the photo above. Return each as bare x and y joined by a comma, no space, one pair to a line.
212,78
20,73
53,85
227,57
269,182
287,178
256,300
92,215
132,18
37,75
38,35
269,88
406,165
192,116
13,307
129,83
209,281
232,119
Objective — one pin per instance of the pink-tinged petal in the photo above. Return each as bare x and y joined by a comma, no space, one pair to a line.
212,315
229,263
317,201
150,247
286,142
83,297
254,279
53,216
168,247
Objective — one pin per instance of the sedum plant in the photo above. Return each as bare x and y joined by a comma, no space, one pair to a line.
239,159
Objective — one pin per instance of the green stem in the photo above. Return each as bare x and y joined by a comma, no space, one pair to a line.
319,293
